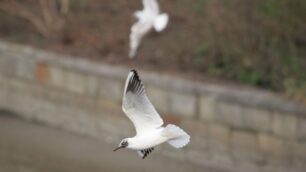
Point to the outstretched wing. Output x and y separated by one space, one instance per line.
151 5
138 107
161 22
138 30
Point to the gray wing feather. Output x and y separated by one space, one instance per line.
138 107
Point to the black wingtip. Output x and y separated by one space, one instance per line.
135 84
136 74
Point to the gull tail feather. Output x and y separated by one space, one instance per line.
178 137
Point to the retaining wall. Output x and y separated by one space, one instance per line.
235 129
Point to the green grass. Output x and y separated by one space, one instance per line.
262 43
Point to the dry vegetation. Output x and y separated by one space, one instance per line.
258 42
47 16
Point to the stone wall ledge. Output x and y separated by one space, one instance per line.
244 96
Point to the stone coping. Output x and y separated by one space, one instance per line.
247 97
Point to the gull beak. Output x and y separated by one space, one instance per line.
118 148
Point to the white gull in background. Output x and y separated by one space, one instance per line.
148 18
147 122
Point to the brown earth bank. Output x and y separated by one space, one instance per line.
239 43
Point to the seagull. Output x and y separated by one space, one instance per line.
150 131
148 18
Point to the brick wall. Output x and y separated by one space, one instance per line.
235 129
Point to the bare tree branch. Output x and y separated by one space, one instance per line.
15 8
52 19
65 7
45 12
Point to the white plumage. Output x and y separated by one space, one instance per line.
147 122
138 107
148 18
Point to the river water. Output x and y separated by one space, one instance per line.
32 147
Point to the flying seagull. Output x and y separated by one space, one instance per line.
148 18
146 120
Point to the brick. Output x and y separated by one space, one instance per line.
243 139
8 65
111 90
207 107
75 82
300 165
58 76
285 125
221 159
271 145
300 155
172 153
21 104
69 117
197 157
230 114
26 68
270 167
245 146
111 131
196 127
92 85
182 104
42 73
258 120
245 165
199 132
219 137
300 151
3 91
159 98
302 129
278 152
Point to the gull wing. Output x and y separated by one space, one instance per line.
161 22
151 5
138 107
138 30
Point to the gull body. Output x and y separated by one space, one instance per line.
148 19
147 122
151 139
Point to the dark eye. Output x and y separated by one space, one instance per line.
124 144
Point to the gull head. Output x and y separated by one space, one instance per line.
123 144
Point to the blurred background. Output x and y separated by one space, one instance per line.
254 44
260 43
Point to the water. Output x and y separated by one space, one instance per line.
31 147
